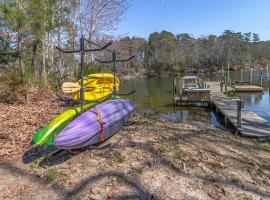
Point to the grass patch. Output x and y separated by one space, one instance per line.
52 174
137 170
265 144
236 180
119 158
209 130
120 179
164 149
179 155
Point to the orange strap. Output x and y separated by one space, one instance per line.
99 118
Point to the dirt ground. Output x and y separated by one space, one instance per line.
149 159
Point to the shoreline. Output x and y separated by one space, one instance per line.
144 75
150 159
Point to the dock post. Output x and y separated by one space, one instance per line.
261 79
174 90
267 72
228 74
226 121
238 114
241 75
226 89
221 86
250 76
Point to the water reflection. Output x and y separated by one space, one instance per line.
156 93
257 102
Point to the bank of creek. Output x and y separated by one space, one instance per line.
149 159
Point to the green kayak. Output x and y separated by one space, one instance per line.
48 133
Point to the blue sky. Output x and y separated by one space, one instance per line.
198 17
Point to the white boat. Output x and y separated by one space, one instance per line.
190 83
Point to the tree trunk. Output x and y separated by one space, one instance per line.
34 60
22 71
50 49
62 72
43 66
59 43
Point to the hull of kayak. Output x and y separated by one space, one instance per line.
86 129
48 133
97 86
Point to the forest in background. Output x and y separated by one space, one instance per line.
31 29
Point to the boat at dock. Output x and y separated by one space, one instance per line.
190 83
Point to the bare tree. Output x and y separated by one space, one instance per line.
99 16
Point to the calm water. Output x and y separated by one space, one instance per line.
156 94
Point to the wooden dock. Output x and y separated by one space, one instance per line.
247 88
246 123
250 123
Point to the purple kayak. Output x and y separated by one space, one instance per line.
95 125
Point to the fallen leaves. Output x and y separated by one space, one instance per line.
19 122
16 190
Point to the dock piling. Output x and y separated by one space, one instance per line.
239 119
261 78
174 90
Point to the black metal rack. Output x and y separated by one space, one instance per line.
82 51
114 61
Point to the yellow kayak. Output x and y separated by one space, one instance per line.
97 86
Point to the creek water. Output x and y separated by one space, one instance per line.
156 94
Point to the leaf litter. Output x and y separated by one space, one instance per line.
150 159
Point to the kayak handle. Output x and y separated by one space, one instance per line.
127 93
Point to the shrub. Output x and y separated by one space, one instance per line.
11 88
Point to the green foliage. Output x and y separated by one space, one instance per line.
33 25
54 81
7 55
89 68
182 53
119 157
52 174
120 179
14 18
179 155
11 77
255 37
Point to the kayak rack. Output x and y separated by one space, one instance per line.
114 61
82 50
